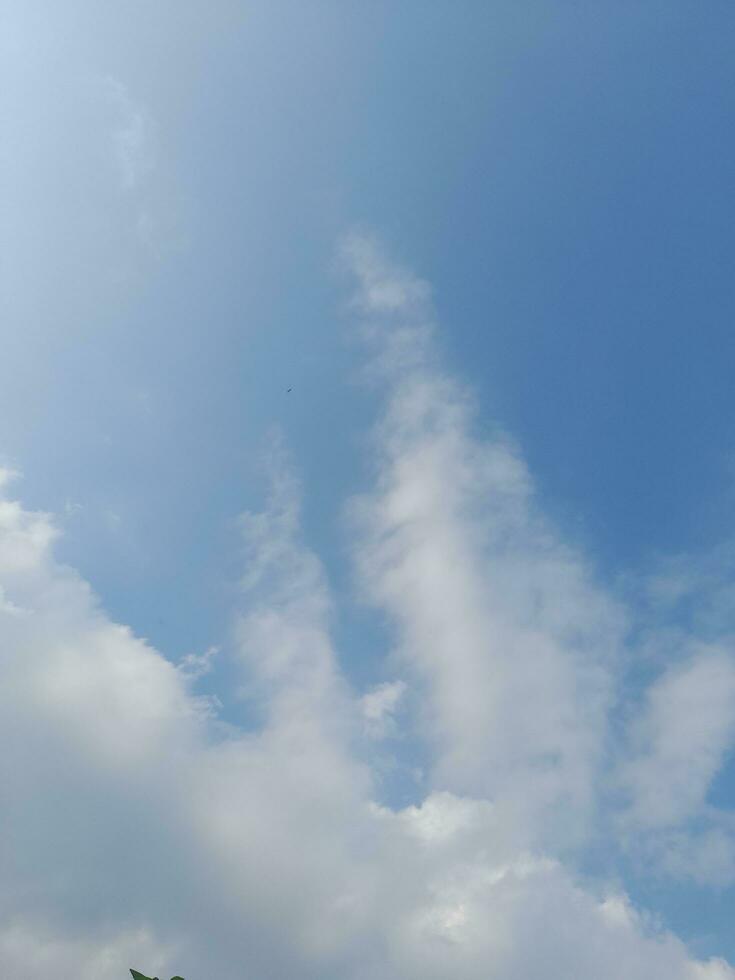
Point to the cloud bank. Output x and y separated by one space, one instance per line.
139 829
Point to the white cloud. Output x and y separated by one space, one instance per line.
140 831
379 706
7 475
501 622
676 745
25 952
705 856
9 608
680 740
196 665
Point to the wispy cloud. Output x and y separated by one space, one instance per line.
679 740
500 621
132 135
196 665
379 706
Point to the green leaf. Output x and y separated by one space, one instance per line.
139 976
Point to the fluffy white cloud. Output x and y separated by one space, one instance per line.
139 830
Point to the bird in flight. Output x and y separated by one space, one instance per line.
289 389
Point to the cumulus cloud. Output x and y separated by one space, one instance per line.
139 830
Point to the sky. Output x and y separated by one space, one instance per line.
366 481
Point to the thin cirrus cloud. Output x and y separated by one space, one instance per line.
141 829
132 135
132 142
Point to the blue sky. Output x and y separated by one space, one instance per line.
519 537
